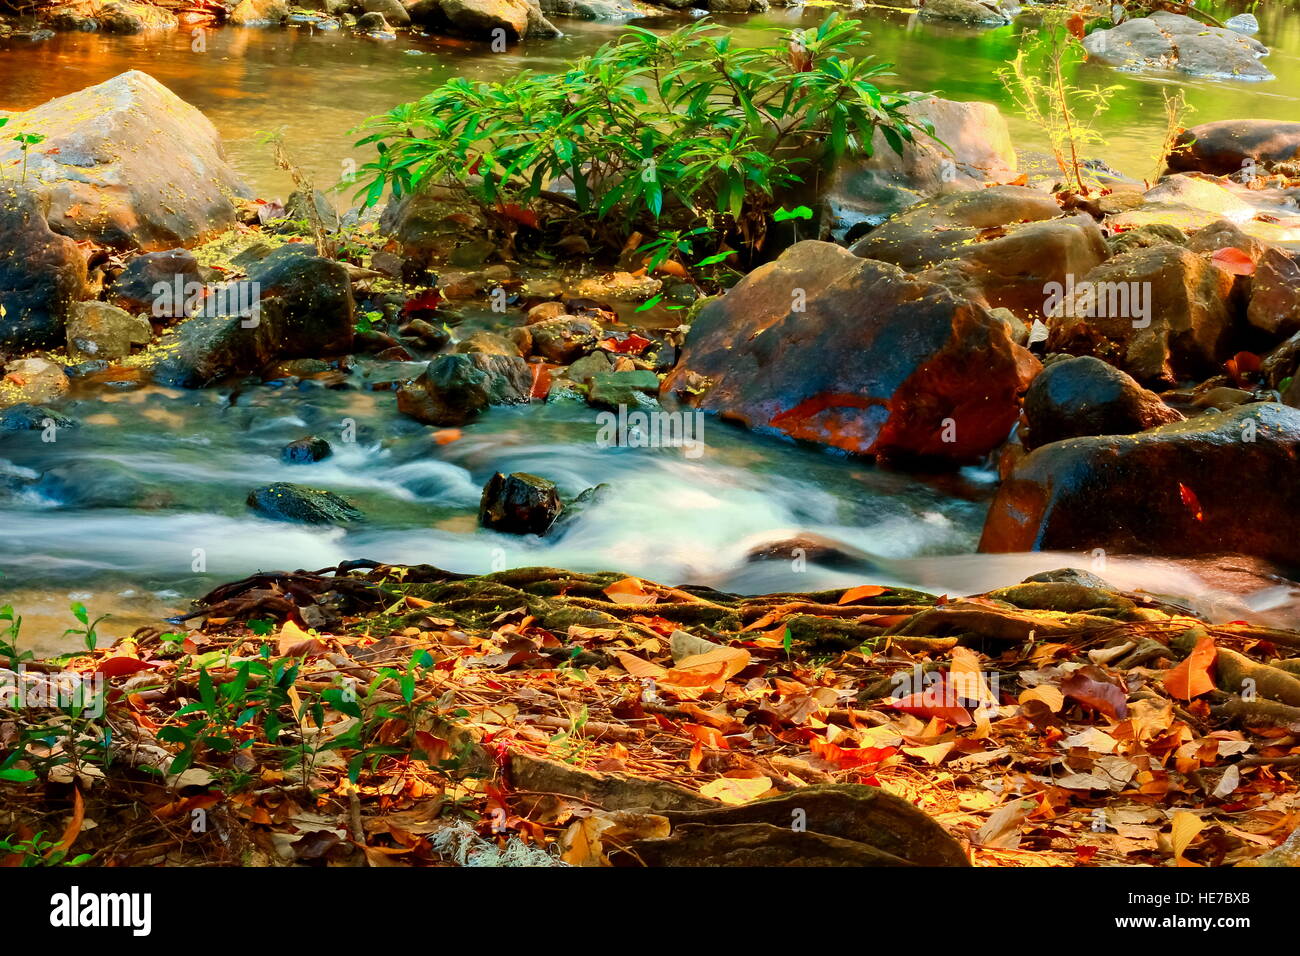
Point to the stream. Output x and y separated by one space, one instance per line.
143 506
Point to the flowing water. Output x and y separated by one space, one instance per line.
143 506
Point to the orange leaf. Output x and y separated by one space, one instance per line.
1191 678
74 825
122 665
1233 260
853 595
1190 501
445 436
629 591
710 736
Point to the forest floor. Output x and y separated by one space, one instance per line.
409 716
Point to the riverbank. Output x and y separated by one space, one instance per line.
538 717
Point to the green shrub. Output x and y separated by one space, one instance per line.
686 133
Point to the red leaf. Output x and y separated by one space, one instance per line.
1099 695
1233 260
121 666
1190 501
541 379
426 301
849 758
525 217
633 344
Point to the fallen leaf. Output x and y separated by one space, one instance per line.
1191 677
736 790
853 595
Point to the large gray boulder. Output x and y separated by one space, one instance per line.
1170 41
126 163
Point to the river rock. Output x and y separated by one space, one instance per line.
737 6
1183 328
373 23
489 343
123 17
519 503
604 10
100 484
157 283
1275 293
565 339
454 389
305 311
249 13
1170 41
28 417
393 11
631 389
1229 146
304 451
32 381
283 501
1085 396
1005 244
1221 482
41 273
317 297
964 11
97 330
127 163
824 346
479 18
971 146
430 222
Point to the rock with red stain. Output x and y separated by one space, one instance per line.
827 347
1003 245
1223 482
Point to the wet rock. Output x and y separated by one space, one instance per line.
1242 23
1076 576
1085 396
122 17
519 503
489 343
1275 294
304 451
32 380
1170 41
41 274
455 389
565 339
617 287
393 11
479 18
249 13
1144 237
97 330
283 501
632 388
100 484
127 163
827 347
306 311
430 222
1005 244
544 311
584 369
971 146
1224 234
373 23
157 283
737 6
603 10
28 417
1231 146
964 11
299 208
1221 482
317 299
1160 314
430 336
